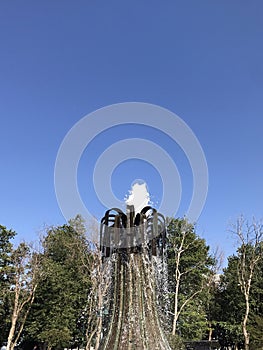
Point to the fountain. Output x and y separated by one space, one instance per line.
133 249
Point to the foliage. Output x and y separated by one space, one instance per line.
62 295
192 323
59 291
24 279
255 326
189 273
230 305
5 269
256 331
175 342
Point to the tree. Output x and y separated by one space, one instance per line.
24 276
255 326
249 256
239 296
228 306
189 273
5 264
61 298
18 281
211 305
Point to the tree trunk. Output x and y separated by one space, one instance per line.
175 318
89 339
10 344
98 333
210 331
244 325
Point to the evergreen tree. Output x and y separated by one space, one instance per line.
62 295
229 305
19 269
5 268
24 277
189 273
255 326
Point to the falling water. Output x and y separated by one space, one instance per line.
134 249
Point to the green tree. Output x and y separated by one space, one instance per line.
249 256
18 281
255 326
24 277
229 306
212 309
5 267
239 295
189 273
62 294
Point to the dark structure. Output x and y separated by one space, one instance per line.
203 345
130 233
133 245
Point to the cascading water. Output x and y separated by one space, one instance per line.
134 249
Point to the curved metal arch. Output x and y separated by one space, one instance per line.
107 217
147 227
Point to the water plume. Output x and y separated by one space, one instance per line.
139 196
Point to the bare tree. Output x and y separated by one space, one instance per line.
250 252
24 276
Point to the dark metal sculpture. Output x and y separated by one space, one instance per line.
130 232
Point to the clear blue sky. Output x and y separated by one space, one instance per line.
61 60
